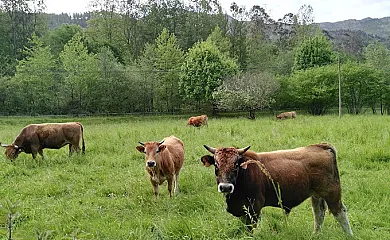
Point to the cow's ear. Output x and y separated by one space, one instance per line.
161 148
141 149
207 160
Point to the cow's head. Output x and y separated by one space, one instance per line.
227 163
11 151
151 150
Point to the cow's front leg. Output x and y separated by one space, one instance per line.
170 184
40 151
155 187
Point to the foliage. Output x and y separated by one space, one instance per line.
60 36
79 73
247 91
203 71
34 80
315 51
362 85
314 89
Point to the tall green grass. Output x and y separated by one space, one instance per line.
106 194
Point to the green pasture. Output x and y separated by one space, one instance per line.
106 194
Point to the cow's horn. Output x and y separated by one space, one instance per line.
161 142
210 149
16 146
243 150
141 143
4 145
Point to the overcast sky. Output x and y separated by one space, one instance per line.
324 10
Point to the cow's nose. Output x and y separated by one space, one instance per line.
225 187
151 163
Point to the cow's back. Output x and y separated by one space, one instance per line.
56 135
175 146
297 170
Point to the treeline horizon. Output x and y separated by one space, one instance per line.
167 56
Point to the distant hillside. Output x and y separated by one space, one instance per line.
375 26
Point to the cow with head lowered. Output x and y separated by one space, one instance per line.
35 137
198 121
287 115
164 160
283 179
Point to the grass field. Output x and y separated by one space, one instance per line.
106 194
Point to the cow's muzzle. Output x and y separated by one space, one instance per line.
151 163
225 187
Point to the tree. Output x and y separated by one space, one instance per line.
34 79
203 71
165 59
315 51
247 91
80 72
314 88
60 36
377 55
220 41
362 86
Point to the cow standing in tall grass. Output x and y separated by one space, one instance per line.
164 160
36 137
283 178
287 115
198 121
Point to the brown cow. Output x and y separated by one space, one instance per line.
198 121
163 162
252 181
286 115
35 137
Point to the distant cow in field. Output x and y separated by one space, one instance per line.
163 162
283 179
198 121
286 115
35 137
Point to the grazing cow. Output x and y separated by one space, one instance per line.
287 115
163 162
35 137
282 179
198 120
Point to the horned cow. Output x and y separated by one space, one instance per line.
35 137
250 181
164 160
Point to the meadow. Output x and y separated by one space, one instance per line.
106 193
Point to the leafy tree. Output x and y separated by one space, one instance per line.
165 57
315 51
238 34
247 91
361 86
220 40
203 71
80 72
315 88
34 79
60 36
377 55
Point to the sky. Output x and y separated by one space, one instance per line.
324 10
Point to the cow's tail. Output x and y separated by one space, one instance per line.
332 150
82 139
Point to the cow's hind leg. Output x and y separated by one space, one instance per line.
40 151
176 182
319 208
339 212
